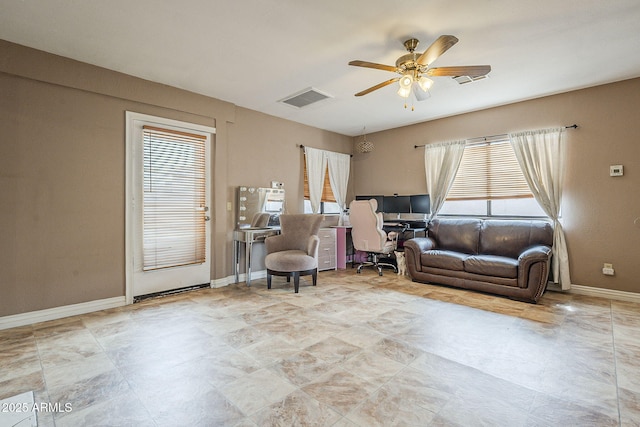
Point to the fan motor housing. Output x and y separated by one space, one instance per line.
408 62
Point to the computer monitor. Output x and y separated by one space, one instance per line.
397 204
420 203
379 199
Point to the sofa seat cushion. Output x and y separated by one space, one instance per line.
289 261
492 265
448 260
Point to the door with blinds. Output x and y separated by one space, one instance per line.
170 203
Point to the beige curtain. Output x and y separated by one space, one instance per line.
316 166
441 162
541 155
339 167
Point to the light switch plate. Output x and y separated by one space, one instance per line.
616 170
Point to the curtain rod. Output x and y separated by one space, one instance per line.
504 135
302 146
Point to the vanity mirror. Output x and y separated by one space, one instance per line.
259 207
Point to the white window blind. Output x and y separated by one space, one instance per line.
489 171
174 198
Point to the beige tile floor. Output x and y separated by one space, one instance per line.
357 350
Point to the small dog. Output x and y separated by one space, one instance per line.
402 263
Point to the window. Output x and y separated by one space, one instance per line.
328 204
173 198
489 182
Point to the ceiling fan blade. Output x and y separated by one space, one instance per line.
437 48
373 65
469 70
378 86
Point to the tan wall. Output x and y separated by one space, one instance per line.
62 173
264 149
598 210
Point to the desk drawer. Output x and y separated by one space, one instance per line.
327 249
327 262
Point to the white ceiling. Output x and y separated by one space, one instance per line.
255 52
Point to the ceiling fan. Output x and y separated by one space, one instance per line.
415 68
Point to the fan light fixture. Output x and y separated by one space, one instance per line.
414 68
404 91
406 80
425 83
405 83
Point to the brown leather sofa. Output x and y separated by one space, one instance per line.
505 257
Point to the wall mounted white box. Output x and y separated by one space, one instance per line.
616 170
608 270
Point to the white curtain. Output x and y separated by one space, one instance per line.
316 166
339 166
541 155
441 162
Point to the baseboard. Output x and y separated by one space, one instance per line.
230 280
225 281
31 317
598 292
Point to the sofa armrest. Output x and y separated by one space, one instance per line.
413 248
312 246
421 244
539 256
534 254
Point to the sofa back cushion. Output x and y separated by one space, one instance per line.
510 238
460 235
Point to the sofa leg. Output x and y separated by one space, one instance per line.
268 281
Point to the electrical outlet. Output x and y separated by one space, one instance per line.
608 270
616 170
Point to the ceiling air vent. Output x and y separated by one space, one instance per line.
466 79
305 97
